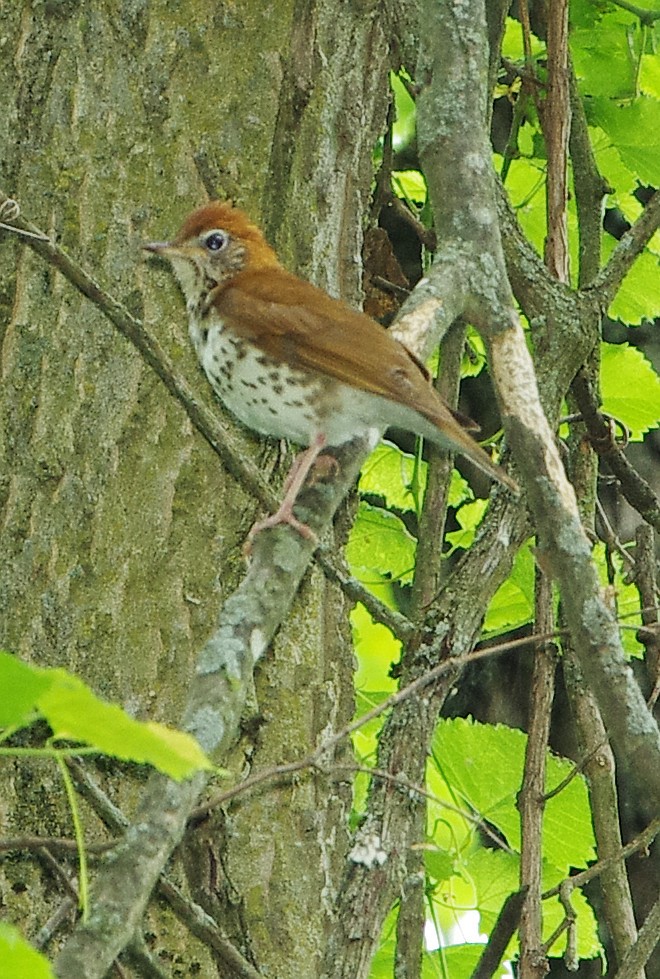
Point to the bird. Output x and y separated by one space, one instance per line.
290 361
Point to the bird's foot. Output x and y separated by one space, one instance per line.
300 470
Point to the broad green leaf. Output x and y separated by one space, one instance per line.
21 685
630 388
525 185
18 960
620 178
634 128
389 472
638 297
382 964
455 962
75 713
483 763
406 113
469 517
512 44
496 875
649 76
440 864
603 62
376 650
475 360
627 600
379 540
588 943
410 185
512 604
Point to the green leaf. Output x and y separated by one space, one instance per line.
18 960
376 650
512 605
525 185
21 686
379 541
484 765
620 178
469 517
403 131
649 76
588 943
454 962
409 185
440 864
638 297
634 128
75 713
603 62
390 473
496 875
383 961
630 388
628 605
512 44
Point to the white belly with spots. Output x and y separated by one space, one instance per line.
273 398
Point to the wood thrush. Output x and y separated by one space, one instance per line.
290 361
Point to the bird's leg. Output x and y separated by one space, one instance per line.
293 484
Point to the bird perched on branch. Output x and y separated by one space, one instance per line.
289 361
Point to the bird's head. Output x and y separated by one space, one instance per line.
214 244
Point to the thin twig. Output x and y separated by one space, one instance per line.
314 758
638 954
635 489
641 842
52 843
646 17
626 252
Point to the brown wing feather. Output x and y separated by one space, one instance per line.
294 321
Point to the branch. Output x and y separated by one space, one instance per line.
247 623
645 580
636 490
631 245
599 768
194 917
641 842
556 119
531 800
502 933
647 17
639 954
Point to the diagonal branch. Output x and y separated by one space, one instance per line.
629 248
634 487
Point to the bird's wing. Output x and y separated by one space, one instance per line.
293 321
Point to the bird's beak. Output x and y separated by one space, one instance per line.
157 247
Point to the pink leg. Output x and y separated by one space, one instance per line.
292 486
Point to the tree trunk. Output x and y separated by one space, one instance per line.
121 532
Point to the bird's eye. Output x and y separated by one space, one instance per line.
216 240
